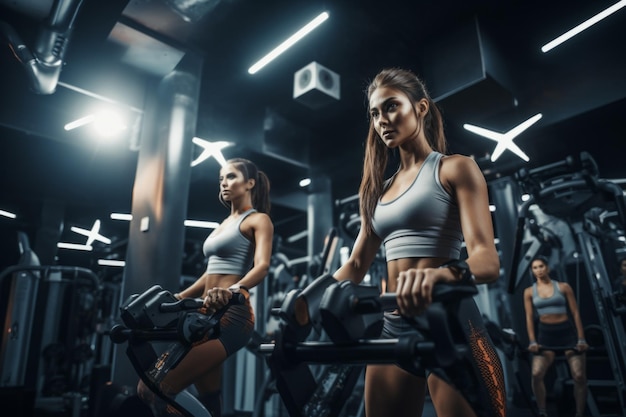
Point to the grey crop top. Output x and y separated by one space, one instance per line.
229 252
423 221
555 304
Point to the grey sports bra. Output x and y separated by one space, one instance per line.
229 251
555 304
423 221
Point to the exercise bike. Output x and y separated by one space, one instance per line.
160 330
352 317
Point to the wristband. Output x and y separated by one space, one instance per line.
532 343
463 268
581 341
239 287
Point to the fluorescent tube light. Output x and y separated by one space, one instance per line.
288 43
80 122
7 214
201 224
585 25
189 223
121 216
111 262
74 246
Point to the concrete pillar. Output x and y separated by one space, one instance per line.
160 193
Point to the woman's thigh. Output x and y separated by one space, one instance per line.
392 391
447 400
541 362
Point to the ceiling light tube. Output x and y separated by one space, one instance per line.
7 214
585 25
288 43
74 246
80 122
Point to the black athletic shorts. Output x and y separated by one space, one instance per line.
481 361
236 327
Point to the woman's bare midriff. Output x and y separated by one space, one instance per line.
394 267
220 281
553 318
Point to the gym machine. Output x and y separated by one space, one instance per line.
352 315
49 330
159 331
593 213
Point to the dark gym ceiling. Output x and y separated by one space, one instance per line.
480 58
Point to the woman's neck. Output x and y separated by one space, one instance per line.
544 280
237 210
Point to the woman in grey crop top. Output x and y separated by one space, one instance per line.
238 253
550 299
421 215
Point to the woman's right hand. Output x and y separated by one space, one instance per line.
216 298
533 347
415 288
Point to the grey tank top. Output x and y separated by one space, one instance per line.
555 304
423 221
229 251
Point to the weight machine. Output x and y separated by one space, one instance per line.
49 329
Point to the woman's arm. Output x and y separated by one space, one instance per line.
573 308
463 179
530 322
263 233
363 254
467 183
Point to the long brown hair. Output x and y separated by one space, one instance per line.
260 193
376 153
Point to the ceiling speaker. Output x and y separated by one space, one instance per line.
316 86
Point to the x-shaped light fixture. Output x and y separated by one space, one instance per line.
505 140
92 234
211 149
